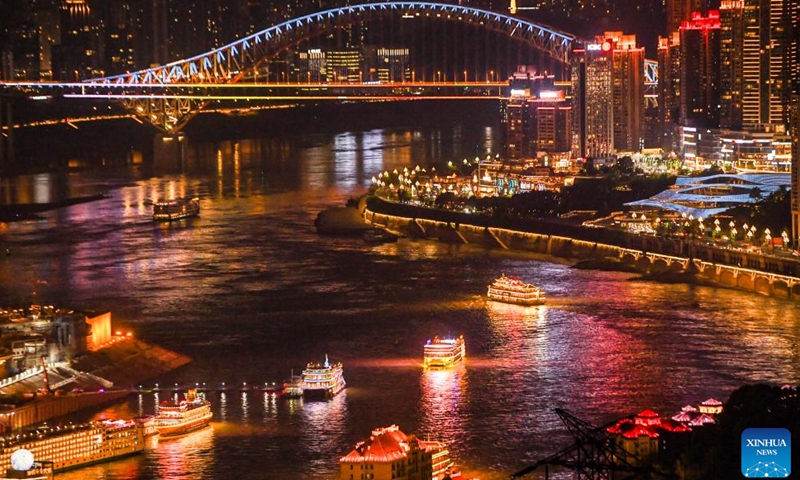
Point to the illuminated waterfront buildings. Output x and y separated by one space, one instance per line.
390 454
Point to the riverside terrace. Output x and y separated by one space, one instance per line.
688 259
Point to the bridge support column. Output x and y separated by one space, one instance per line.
169 152
6 136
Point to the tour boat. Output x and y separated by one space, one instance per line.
444 352
188 415
323 380
293 388
169 210
73 446
513 290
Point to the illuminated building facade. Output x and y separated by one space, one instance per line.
731 44
679 11
795 191
700 79
552 117
599 107
77 56
765 72
343 66
311 66
537 114
608 81
392 65
390 454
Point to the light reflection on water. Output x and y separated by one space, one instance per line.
250 292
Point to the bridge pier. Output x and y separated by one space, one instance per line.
170 152
6 136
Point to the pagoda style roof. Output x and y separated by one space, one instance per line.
385 445
711 402
671 425
647 414
702 419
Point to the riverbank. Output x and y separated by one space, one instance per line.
29 211
655 259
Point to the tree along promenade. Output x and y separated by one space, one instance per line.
658 257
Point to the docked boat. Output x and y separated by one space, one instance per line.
444 352
323 380
169 210
513 290
73 446
179 418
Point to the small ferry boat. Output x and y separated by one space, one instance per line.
444 352
323 380
293 388
169 210
73 446
513 290
188 415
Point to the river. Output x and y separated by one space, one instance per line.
251 292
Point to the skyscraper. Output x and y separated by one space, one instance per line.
679 11
700 75
669 91
628 91
766 78
731 44
608 101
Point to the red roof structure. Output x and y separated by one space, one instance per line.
647 418
385 445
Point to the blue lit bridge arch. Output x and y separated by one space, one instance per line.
233 61
238 60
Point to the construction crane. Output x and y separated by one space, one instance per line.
594 455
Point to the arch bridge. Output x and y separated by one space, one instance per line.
168 96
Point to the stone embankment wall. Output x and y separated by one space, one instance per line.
122 364
651 256
48 407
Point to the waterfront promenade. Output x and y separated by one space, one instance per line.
659 258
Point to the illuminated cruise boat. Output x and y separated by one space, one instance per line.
293 387
179 418
513 290
323 380
444 352
73 446
169 210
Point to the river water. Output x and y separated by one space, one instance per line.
251 292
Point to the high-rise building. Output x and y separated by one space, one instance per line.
731 45
795 193
700 75
393 65
679 11
669 88
77 56
766 80
311 66
599 107
609 87
343 66
537 114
